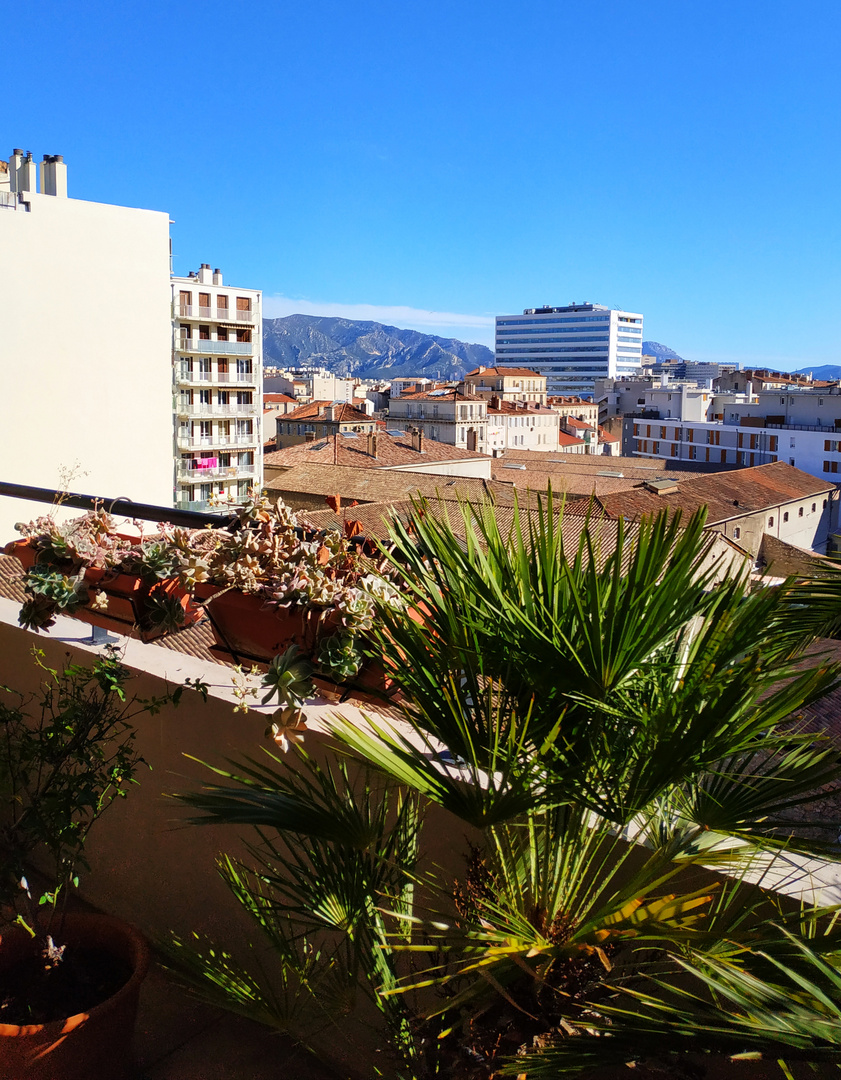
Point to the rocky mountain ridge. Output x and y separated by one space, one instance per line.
369 350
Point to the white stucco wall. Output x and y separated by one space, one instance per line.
85 344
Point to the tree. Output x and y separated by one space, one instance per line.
614 724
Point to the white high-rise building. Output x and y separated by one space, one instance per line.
217 355
572 346
85 339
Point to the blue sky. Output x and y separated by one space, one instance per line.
434 164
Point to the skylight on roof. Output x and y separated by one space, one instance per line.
394 432
514 467
350 434
437 393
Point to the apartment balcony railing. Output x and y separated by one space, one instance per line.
223 315
226 378
209 347
207 442
225 472
231 409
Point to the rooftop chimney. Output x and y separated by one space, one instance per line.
54 176
309 436
417 440
217 277
205 275
372 444
28 175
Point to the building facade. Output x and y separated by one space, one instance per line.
571 346
521 425
506 384
320 420
800 426
217 371
85 337
444 415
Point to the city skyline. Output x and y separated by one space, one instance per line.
435 165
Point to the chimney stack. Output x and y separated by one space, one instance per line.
309 436
54 176
15 164
28 175
217 277
372 444
417 440
205 275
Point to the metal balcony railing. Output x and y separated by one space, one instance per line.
207 442
209 347
216 410
223 472
224 315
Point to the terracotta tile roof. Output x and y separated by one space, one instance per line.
565 439
279 399
343 413
505 372
559 399
726 495
392 452
579 425
380 485
516 408
443 394
605 436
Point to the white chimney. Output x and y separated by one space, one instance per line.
217 277
28 175
15 163
205 274
54 176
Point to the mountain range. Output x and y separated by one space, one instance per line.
369 350
827 371
372 350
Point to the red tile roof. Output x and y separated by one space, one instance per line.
726 494
564 439
343 413
505 372
444 394
519 408
279 399
392 452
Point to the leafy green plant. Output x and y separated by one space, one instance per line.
50 593
613 724
164 611
67 753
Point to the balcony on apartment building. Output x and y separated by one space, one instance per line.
204 442
209 378
222 315
222 472
209 346
220 410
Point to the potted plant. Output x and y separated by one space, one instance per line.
87 569
69 983
269 585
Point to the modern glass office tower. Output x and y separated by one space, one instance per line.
572 346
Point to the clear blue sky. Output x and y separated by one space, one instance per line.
468 159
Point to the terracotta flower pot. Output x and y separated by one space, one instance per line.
23 551
244 627
94 1045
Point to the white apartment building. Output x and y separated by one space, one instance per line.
521 425
85 337
312 384
217 367
444 415
799 426
507 384
571 346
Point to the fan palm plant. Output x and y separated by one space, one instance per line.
611 725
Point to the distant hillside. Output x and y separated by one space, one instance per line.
662 352
826 371
369 350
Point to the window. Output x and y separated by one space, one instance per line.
204 333
204 397
222 333
243 303
782 401
820 401
772 442
204 302
222 305
831 445
791 461
830 466
791 442
737 532
813 507
800 512
224 397
785 516
770 523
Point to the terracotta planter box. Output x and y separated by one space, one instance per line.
126 594
250 632
95 1045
